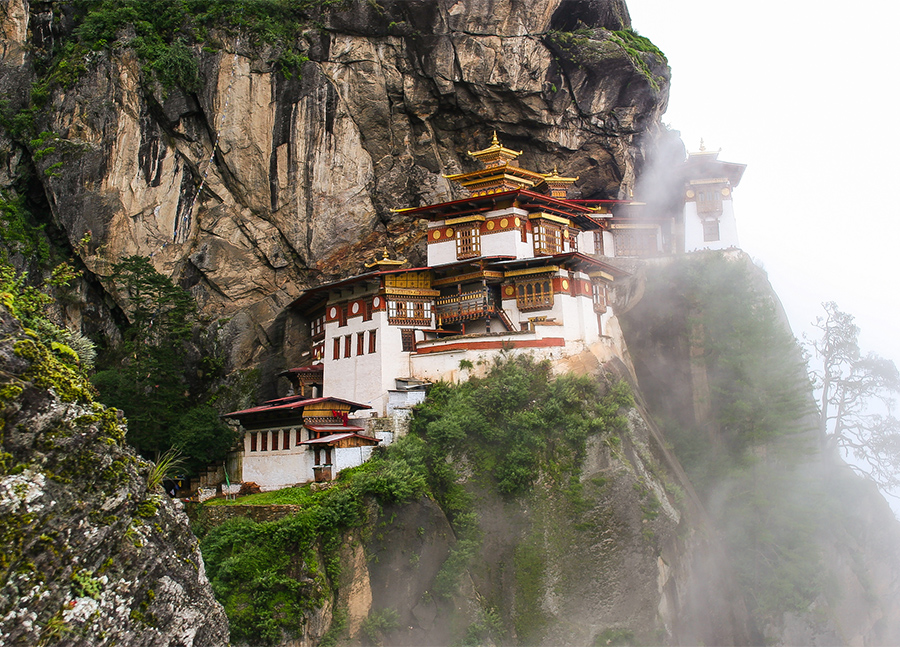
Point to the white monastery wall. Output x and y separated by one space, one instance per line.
442 253
273 470
693 228
346 457
500 243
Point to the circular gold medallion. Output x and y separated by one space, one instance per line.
517 222
565 284
689 193
726 191
510 291
504 222
490 225
436 235
448 233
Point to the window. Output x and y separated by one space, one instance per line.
317 326
337 348
598 296
342 315
372 341
598 242
285 438
534 295
409 279
264 437
468 241
360 342
573 240
410 312
252 441
348 341
367 311
408 339
548 239
636 242
710 231
709 201
299 435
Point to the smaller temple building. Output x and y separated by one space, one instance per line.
299 440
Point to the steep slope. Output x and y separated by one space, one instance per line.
553 515
376 100
813 545
90 552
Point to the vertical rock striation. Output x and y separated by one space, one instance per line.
309 164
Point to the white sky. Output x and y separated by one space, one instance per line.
804 93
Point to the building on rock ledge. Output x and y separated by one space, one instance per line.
515 266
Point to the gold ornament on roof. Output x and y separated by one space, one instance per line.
385 261
558 184
496 154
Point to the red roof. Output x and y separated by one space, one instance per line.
333 428
333 438
291 403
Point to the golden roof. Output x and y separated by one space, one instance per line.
556 177
495 154
385 261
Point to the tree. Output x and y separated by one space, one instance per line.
150 383
855 398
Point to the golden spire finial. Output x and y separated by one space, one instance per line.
702 145
494 139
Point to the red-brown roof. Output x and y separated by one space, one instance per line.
292 403
333 438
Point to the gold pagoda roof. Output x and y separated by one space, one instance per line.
495 154
501 173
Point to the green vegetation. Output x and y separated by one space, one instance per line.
54 364
146 377
596 45
748 466
267 575
19 231
516 421
507 428
166 34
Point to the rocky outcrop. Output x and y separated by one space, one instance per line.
92 552
307 168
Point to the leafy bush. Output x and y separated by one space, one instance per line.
516 420
268 575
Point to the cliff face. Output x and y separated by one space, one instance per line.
812 544
309 163
90 553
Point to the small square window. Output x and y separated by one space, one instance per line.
710 231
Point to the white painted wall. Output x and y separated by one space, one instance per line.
276 469
502 243
693 228
443 252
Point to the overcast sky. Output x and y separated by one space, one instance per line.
805 93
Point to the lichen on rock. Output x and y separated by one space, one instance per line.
89 553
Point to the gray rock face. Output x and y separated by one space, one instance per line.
307 168
90 554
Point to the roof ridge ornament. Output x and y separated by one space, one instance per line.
385 262
496 154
